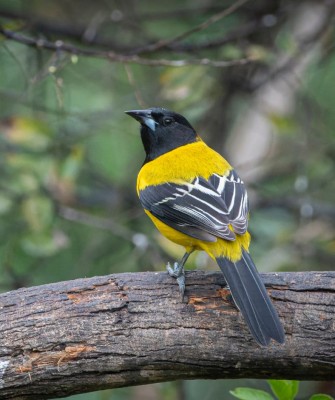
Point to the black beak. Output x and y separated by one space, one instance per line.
143 117
139 115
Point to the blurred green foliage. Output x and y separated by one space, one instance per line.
283 390
69 155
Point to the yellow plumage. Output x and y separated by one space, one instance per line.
189 161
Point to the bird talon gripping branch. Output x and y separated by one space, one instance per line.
196 199
178 273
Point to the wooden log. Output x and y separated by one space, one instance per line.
131 329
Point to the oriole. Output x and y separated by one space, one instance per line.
197 200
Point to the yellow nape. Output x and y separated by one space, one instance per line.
182 164
221 248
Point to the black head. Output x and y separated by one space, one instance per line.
162 130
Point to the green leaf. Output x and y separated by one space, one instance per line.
321 397
284 390
244 393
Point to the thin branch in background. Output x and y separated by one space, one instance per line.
33 23
204 25
56 62
187 12
242 32
59 45
71 214
132 83
58 86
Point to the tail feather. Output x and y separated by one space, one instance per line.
250 296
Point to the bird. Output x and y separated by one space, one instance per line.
196 199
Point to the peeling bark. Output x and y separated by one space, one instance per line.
131 329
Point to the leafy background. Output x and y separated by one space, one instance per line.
70 156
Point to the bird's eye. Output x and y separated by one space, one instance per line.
167 121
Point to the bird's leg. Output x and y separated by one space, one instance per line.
177 271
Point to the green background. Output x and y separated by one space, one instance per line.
69 155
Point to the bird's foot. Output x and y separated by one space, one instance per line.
177 272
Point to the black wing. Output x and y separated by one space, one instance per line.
234 195
202 209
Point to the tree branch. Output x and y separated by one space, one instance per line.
130 329
36 24
204 25
112 56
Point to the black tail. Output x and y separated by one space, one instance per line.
250 296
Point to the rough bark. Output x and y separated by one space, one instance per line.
130 329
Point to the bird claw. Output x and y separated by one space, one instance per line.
177 272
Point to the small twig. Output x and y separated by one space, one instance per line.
204 25
235 35
71 214
132 82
